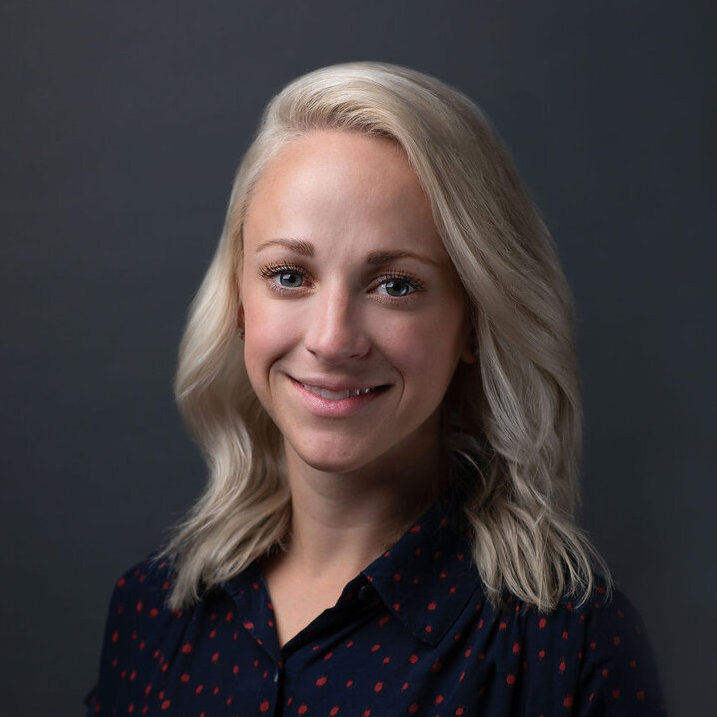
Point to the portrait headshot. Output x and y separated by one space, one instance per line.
359 360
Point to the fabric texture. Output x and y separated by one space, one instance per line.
413 634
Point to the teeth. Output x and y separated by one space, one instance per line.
337 395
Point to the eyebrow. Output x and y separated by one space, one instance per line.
296 245
385 257
375 258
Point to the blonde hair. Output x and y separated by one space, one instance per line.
514 415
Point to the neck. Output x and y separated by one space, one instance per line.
341 522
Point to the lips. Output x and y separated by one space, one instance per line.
330 395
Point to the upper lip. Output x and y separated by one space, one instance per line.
336 385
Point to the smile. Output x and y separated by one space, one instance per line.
329 395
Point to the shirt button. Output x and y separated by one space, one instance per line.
364 593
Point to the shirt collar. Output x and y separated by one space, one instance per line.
427 578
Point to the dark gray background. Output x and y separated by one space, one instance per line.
121 127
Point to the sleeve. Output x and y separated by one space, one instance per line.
118 629
619 677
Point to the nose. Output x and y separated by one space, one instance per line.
334 329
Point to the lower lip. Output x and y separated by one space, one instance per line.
336 409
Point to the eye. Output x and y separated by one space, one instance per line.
290 279
397 286
284 277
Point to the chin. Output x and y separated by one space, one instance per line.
334 463
335 457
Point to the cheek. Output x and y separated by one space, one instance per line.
266 338
426 351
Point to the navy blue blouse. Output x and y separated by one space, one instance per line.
412 634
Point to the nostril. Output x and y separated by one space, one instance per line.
337 338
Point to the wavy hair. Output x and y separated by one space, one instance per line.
514 415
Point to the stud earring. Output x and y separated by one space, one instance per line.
241 333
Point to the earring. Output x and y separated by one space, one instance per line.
241 333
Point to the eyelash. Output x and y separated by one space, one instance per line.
415 284
271 271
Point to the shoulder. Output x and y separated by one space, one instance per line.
613 624
618 674
136 619
590 656
138 613
144 588
605 618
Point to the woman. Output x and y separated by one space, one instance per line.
379 366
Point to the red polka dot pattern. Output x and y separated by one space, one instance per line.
411 635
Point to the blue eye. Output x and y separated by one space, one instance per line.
285 277
398 287
290 279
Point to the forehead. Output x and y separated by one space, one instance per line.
336 150
345 183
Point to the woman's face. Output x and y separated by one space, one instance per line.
354 318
